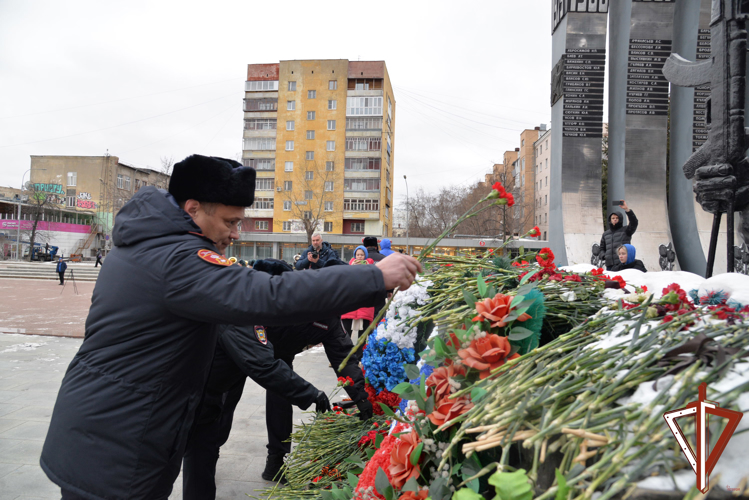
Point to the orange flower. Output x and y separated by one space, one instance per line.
410 495
400 459
487 353
448 409
440 380
496 310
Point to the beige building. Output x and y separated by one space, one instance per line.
542 169
525 178
320 134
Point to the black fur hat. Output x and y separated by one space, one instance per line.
213 180
272 266
369 241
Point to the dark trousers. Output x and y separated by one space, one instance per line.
209 433
98 261
62 277
279 417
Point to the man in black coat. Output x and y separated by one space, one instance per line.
373 250
617 234
128 399
317 255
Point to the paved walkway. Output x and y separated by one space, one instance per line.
31 369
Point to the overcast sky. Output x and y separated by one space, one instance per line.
152 79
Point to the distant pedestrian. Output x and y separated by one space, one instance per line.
385 247
98 259
46 248
61 267
373 250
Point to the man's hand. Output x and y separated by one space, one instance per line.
322 403
311 258
365 408
399 270
624 206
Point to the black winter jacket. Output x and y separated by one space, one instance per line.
635 264
128 398
616 236
326 254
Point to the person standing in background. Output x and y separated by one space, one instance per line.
61 267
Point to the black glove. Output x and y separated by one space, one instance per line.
365 409
322 403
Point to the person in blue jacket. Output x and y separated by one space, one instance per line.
385 247
127 402
61 267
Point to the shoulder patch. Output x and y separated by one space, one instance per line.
260 334
320 325
213 257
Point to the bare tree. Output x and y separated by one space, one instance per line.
39 202
167 163
430 214
311 198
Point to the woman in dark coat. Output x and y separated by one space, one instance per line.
617 234
627 254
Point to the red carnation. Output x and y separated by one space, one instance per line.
545 257
534 232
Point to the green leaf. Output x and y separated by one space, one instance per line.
386 409
378 440
471 467
527 276
416 454
511 485
411 485
438 490
402 387
339 494
353 481
469 298
382 484
477 393
524 290
370 453
466 494
517 300
409 394
429 406
326 495
412 372
563 489
423 387
354 459
491 291
519 333
481 285
439 346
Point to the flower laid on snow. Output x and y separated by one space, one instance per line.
440 381
496 310
401 467
487 353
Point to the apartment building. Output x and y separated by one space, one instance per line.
542 169
320 134
525 177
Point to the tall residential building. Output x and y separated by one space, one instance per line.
525 178
320 134
542 169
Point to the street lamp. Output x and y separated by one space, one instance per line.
408 211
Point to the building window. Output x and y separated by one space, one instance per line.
310 134
331 145
363 143
264 104
363 123
261 225
260 163
263 204
264 184
332 104
362 164
546 199
357 227
362 106
287 185
327 227
311 94
287 206
365 84
546 182
119 181
331 124
361 184
328 206
333 85
308 195
260 124
292 86
309 175
310 115
307 215
328 185
329 166
310 155
290 105
259 143
289 145
290 125
261 86
70 201
287 225
72 178
546 219
288 166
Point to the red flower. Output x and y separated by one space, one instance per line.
556 277
667 318
448 409
439 380
380 460
545 257
410 495
486 353
400 459
496 310
597 272
510 199
523 263
534 232
573 277
500 189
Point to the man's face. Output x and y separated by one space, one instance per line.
221 224
614 219
623 255
317 242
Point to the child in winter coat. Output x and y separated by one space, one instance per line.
359 320
627 259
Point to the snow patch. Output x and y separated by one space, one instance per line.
27 346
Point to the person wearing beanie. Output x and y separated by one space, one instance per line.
120 424
385 247
617 234
370 242
626 259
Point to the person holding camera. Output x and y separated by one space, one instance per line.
317 254
617 234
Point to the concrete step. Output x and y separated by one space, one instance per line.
44 277
46 271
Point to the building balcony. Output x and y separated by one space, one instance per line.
252 213
260 133
363 93
377 153
361 215
362 174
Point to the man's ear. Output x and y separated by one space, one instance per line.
192 207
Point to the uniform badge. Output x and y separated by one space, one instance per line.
260 334
213 257
320 325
